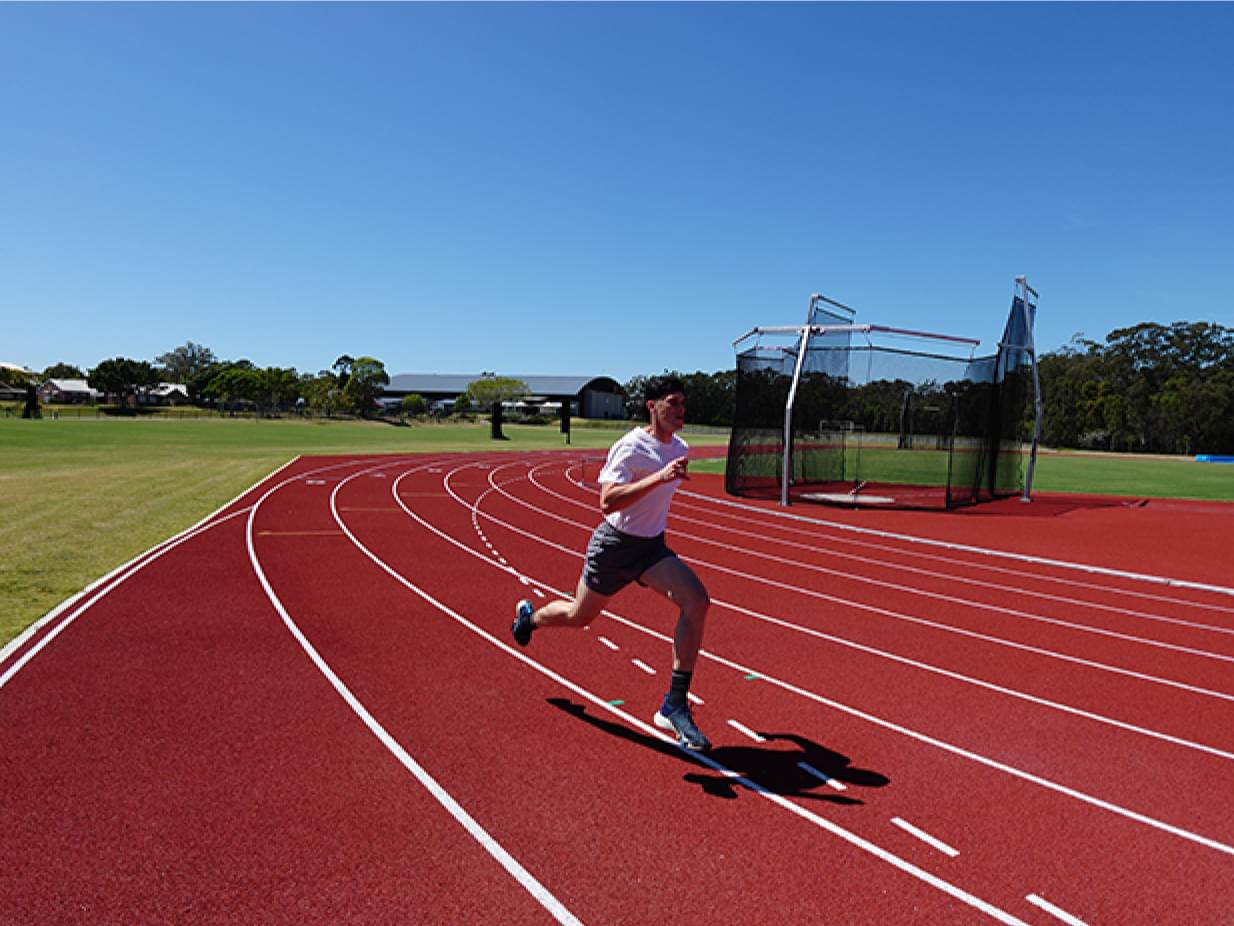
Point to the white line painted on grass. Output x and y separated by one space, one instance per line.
925 837
1058 912
120 574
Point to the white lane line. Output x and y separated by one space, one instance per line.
925 837
823 823
443 797
1020 557
952 561
609 643
826 779
903 660
920 621
746 731
642 665
695 698
1058 912
524 580
538 593
952 748
120 574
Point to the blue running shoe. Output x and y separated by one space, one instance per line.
522 626
679 721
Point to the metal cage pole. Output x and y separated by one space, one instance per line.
1030 318
787 456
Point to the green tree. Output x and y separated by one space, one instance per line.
122 378
186 362
278 386
321 392
342 367
235 384
62 371
482 393
413 404
366 379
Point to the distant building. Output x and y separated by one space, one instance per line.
589 396
165 394
68 392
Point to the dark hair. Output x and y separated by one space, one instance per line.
658 387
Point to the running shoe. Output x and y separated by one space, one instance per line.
522 626
679 720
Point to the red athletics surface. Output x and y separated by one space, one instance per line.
309 710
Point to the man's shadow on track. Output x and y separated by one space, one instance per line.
776 770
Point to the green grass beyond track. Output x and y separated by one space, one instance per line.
80 497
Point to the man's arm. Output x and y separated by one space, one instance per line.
614 496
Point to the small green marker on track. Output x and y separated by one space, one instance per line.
617 702
751 677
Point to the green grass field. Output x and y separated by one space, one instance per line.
81 496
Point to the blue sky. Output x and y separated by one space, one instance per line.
600 188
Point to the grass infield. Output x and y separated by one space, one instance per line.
81 496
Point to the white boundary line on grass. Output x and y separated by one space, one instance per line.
144 557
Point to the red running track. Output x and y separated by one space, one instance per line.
307 709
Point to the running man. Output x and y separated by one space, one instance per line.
643 470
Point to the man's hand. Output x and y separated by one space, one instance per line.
678 469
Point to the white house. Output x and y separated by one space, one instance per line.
68 392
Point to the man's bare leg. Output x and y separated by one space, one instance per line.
676 581
578 613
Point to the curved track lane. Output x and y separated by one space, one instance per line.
307 709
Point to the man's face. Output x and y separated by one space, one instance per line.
670 410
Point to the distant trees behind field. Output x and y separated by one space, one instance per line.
351 386
1148 388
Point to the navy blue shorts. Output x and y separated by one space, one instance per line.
614 559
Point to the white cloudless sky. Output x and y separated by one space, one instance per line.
604 189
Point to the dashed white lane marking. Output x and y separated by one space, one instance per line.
925 837
695 698
743 729
538 593
1058 912
826 779
834 829
609 643
501 559
524 580
314 482
507 861
642 665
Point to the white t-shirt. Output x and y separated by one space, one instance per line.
640 453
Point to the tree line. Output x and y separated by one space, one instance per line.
352 385
1149 388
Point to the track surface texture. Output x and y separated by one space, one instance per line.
308 709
